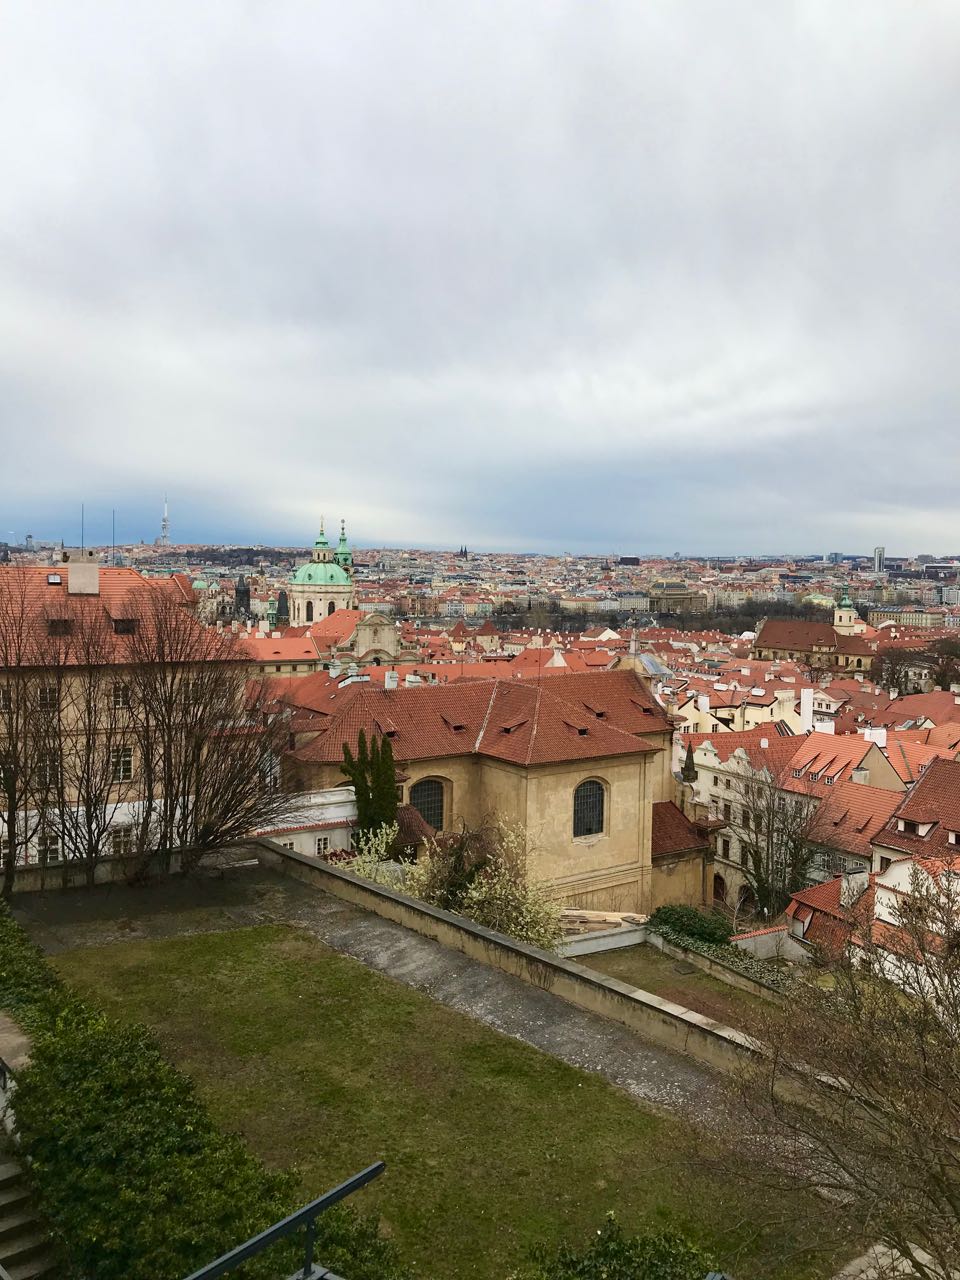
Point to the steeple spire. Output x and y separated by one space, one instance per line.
343 554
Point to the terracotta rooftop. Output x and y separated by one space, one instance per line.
673 832
572 717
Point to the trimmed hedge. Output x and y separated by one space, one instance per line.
750 966
612 1255
707 926
132 1175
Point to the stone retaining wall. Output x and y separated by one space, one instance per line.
668 1024
73 875
775 943
716 968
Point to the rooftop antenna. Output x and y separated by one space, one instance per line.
81 527
113 538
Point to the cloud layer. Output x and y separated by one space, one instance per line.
545 275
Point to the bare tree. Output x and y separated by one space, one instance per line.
24 693
87 726
207 739
774 829
858 1085
893 670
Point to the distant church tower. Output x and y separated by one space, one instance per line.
846 620
324 583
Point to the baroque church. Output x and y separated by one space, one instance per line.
324 583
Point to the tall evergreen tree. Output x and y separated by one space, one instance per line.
357 769
385 786
374 777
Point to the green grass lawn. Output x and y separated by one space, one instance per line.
646 967
490 1145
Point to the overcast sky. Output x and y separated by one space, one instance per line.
638 275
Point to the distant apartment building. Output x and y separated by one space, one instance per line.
676 597
905 615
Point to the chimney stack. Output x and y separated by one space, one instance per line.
806 710
83 571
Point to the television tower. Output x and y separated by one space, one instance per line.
165 525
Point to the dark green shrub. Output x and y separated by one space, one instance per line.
131 1173
612 1255
707 926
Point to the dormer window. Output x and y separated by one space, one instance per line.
953 837
124 626
512 726
911 828
59 627
798 773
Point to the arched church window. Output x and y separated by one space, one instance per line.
426 796
588 809
309 610
330 607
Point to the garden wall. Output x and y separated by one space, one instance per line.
716 968
73 875
660 1020
775 943
588 944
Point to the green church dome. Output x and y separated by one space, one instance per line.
318 574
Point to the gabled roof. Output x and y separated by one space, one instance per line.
827 756
852 814
774 757
336 627
799 637
912 759
939 707
827 923
577 717
936 797
32 596
269 649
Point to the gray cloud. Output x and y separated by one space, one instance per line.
546 275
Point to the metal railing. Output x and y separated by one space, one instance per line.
305 1217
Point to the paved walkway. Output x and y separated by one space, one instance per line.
246 896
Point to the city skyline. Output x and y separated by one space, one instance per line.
94 524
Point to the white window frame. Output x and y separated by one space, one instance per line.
121 764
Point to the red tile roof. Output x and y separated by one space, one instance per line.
673 832
573 717
797 637
38 594
934 799
852 814
829 924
